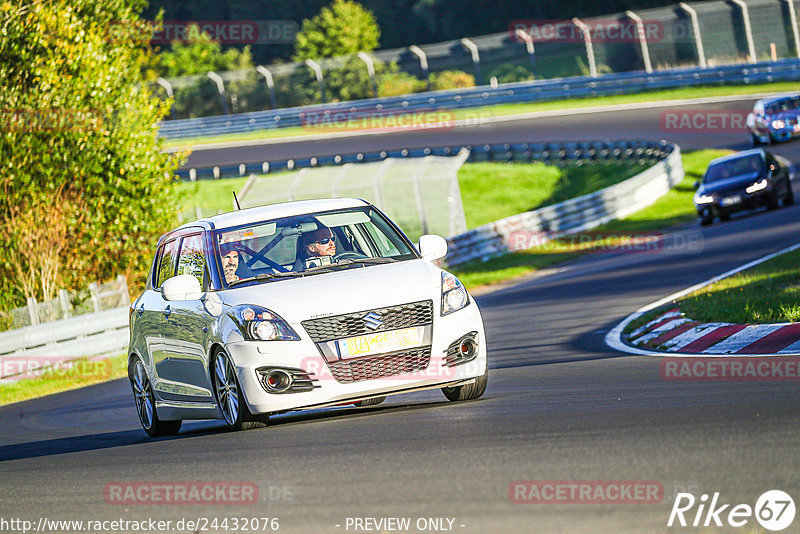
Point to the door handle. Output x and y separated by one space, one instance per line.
167 312
140 309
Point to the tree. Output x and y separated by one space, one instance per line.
343 28
199 54
86 189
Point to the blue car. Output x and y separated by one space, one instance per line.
774 119
743 181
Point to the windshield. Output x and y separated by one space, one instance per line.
308 244
785 104
734 167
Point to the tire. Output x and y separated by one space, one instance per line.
725 217
229 396
370 402
754 140
145 401
789 199
468 392
706 221
773 202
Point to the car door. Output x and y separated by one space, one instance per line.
183 368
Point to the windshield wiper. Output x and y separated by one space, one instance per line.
265 276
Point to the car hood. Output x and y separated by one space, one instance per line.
352 290
730 184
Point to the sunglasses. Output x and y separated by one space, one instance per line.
326 240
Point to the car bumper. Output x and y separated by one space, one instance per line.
250 356
747 201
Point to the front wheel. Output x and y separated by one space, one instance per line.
789 199
146 404
230 398
469 391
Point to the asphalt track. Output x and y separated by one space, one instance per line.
560 406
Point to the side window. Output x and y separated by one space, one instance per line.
191 259
166 264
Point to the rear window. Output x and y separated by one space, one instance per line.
165 262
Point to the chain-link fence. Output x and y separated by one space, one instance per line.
421 195
96 298
697 33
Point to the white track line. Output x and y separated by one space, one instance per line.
614 337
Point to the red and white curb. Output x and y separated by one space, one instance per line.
672 334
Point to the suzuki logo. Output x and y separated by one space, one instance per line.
373 320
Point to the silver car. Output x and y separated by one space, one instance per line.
295 306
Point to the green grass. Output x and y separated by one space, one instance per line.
211 196
492 191
766 293
83 373
674 208
516 109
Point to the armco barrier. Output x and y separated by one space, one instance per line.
532 91
553 153
95 334
573 215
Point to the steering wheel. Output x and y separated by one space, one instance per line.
349 256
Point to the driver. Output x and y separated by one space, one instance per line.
318 247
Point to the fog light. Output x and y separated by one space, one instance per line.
467 347
277 381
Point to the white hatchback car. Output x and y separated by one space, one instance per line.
295 306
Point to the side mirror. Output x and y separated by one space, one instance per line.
432 247
697 184
182 287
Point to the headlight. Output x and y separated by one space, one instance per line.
454 296
778 124
261 324
758 186
703 199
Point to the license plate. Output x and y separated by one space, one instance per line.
730 201
380 342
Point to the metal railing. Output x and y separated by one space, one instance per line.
513 93
578 214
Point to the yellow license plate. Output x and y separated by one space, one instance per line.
380 342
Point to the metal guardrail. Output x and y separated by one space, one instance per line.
511 93
552 153
96 334
575 215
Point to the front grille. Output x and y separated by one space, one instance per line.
353 324
372 367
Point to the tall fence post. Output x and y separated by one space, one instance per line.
793 22
217 79
476 58
642 35
125 296
94 291
423 63
587 39
698 38
33 311
418 196
315 67
748 30
262 70
63 299
370 70
528 40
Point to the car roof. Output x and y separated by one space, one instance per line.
773 99
274 211
737 155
